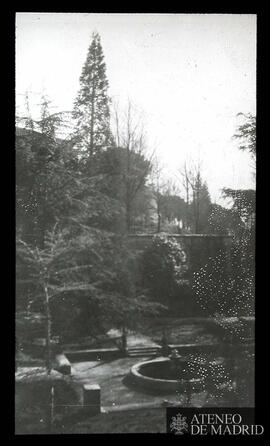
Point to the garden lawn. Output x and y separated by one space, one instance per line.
130 421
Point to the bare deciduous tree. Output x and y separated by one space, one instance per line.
192 183
157 184
136 163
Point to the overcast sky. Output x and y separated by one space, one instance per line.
190 74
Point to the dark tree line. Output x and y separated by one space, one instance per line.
231 292
73 265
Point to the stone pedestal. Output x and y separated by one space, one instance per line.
91 398
62 364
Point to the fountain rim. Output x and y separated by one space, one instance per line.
135 372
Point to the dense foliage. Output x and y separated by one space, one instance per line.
246 134
164 270
225 285
74 275
224 221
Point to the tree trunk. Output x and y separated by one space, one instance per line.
50 411
197 213
194 213
92 120
187 201
187 211
124 338
158 213
41 231
128 217
50 416
159 223
128 197
48 332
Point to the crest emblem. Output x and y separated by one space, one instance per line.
179 424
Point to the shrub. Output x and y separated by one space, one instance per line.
223 291
164 269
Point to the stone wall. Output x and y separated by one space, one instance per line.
198 247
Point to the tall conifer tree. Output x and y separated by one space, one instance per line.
91 108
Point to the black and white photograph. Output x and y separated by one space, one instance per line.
135 143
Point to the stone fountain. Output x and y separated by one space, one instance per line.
165 374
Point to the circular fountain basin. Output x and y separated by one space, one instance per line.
158 375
